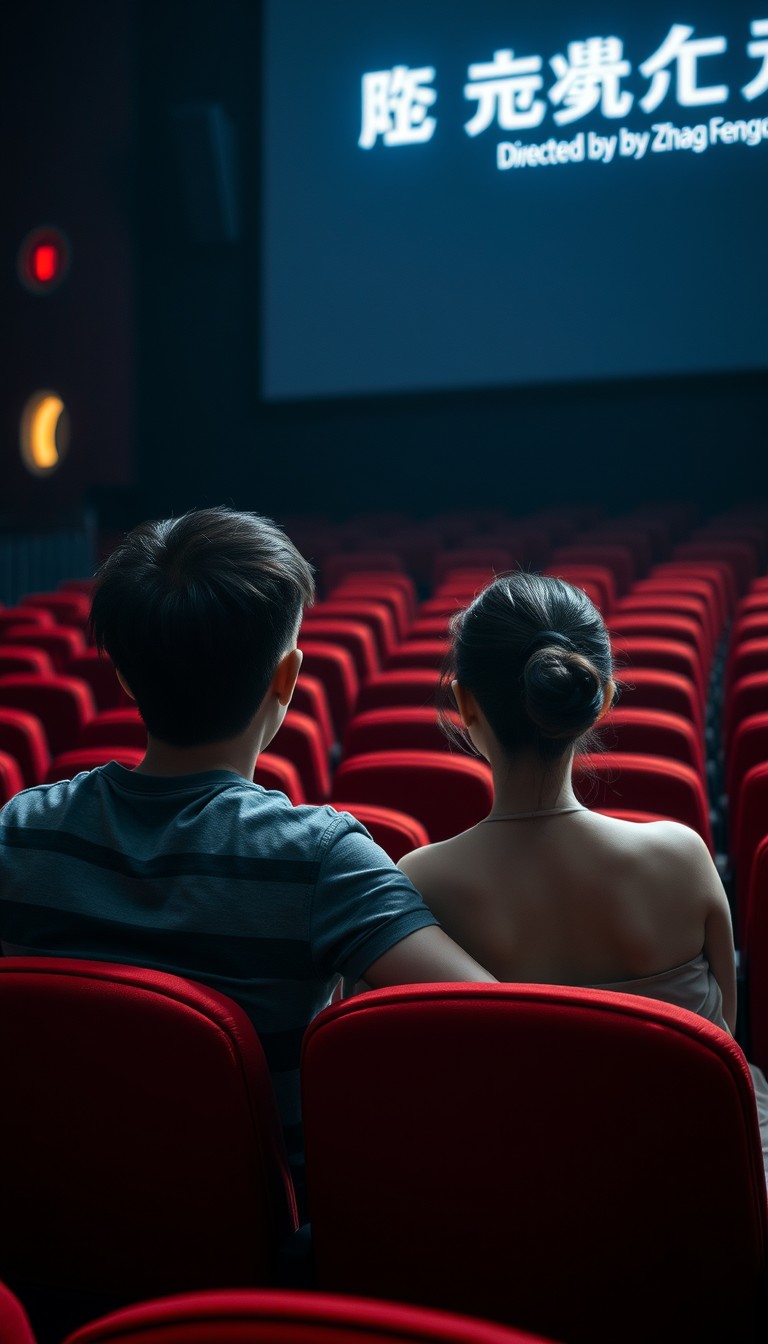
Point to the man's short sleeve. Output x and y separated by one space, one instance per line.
362 904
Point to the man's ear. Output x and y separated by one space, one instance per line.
286 675
124 684
466 704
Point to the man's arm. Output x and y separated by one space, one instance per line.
424 956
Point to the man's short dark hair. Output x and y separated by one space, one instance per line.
196 613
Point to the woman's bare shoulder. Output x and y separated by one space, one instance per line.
442 862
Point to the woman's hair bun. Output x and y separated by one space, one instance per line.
562 691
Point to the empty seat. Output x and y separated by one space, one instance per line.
338 564
362 610
11 778
98 671
654 732
489 560
24 658
19 615
354 636
666 626
335 668
62 704
646 784
598 578
148 1157
115 728
418 653
396 832
276 772
62 643
755 955
669 655
66 608
509 1150
748 826
15 1327
409 686
382 586
747 696
22 736
654 688
300 741
67 764
398 728
445 793
309 698
287 1317
745 657
609 555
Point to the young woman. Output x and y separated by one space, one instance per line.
543 890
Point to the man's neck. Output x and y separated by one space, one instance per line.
237 754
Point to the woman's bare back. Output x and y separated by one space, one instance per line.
575 898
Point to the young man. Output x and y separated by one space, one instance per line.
184 864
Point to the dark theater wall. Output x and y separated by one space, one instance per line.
67 90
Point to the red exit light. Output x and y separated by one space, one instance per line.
43 260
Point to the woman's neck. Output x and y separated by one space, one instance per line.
526 784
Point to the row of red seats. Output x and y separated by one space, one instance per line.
494 1150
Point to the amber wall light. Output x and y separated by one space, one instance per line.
44 432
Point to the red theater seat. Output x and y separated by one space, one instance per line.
61 643
66 608
747 696
653 732
22 736
748 826
361 610
24 658
654 688
67 764
14 1322
11 778
646 784
98 671
285 1317
115 728
62 704
745 657
339 564
667 655
300 741
596 578
335 668
19 615
445 793
401 728
418 653
755 953
665 626
397 590
275 772
396 832
309 698
148 1157
357 638
512 1158
411 686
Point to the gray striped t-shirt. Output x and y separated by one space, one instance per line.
210 877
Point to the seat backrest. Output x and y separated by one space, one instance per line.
749 747
14 1322
19 615
394 831
335 668
62 643
362 610
663 625
510 1152
67 608
397 728
745 657
429 653
653 732
274 771
24 658
656 688
11 778
646 784
63 704
97 670
22 735
755 951
300 741
415 686
289 1317
147 1152
746 696
748 825
354 636
670 655
116 728
579 574
67 764
445 793
309 698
